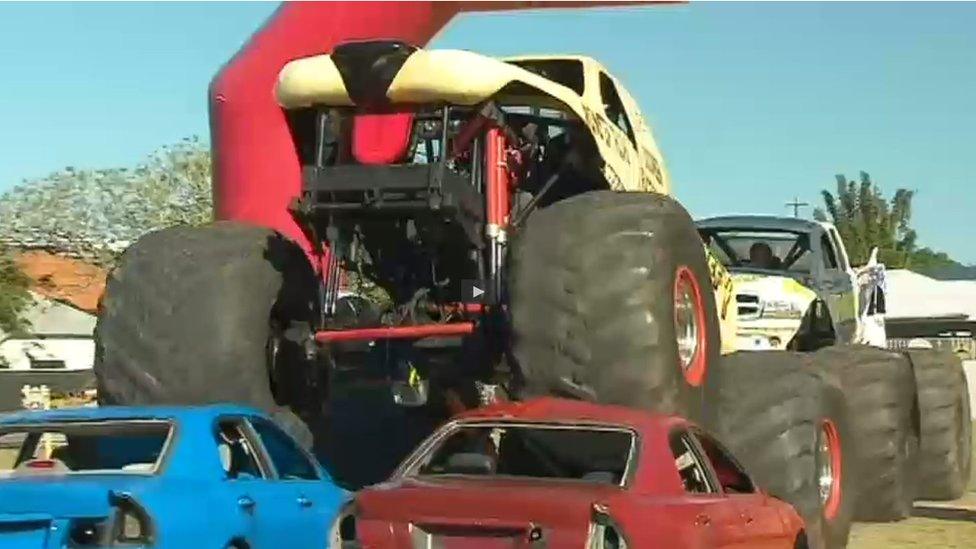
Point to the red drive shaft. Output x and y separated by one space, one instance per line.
498 184
397 332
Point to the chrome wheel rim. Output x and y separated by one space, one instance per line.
826 478
686 321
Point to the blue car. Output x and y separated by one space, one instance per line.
210 477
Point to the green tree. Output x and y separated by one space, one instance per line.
13 295
94 214
866 219
176 180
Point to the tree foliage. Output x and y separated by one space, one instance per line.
866 219
95 214
13 295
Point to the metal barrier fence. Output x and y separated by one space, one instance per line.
965 347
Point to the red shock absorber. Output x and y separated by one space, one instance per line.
497 192
499 182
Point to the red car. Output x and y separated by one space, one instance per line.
556 473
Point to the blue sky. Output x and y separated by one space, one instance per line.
751 103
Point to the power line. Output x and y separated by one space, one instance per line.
796 205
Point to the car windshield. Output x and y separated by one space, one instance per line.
760 249
593 454
83 447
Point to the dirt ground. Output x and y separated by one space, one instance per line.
930 528
915 533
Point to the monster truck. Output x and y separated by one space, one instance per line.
796 290
515 216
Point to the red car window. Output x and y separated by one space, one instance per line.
691 468
536 451
730 475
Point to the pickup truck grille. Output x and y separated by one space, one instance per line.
749 307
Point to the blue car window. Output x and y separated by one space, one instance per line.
290 462
237 456
87 446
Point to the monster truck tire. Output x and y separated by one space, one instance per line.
593 285
186 318
879 389
945 428
774 415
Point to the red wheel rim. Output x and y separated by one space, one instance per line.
689 326
829 469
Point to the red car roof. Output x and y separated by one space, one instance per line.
558 410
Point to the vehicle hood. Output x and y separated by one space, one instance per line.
63 496
472 509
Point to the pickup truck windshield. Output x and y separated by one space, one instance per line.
83 447
590 454
760 249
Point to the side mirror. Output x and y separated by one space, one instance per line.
470 463
873 258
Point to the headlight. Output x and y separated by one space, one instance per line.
342 534
780 308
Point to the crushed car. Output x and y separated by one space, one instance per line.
551 472
217 476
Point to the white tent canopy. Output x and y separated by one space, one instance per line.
911 295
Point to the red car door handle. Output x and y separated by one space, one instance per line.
747 517
703 520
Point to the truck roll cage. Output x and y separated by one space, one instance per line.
438 188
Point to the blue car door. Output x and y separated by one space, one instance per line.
300 502
246 477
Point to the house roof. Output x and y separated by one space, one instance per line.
48 317
63 278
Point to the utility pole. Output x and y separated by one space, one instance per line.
796 205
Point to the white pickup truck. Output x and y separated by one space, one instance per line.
800 300
795 287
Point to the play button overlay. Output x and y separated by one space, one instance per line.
473 291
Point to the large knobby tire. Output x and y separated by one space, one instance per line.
790 430
879 389
945 427
593 290
187 314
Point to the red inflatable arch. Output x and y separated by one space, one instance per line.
255 166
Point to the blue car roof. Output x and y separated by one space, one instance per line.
175 413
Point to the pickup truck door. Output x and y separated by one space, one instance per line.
837 286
